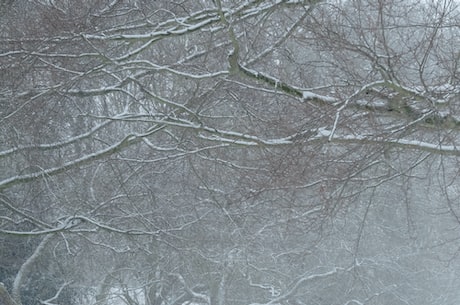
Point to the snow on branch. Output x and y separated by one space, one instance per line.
277 84
172 27
113 229
71 223
37 222
200 20
55 144
54 298
125 142
299 282
228 137
65 225
155 67
324 134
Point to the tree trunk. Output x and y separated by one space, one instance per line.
5 298
26 269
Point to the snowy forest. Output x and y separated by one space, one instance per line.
225 152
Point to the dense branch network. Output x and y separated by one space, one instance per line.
202 147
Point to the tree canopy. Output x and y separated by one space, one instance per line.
229 152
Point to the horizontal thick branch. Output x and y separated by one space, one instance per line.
234 138
125 142
54 145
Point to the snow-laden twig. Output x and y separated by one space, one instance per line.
125 142
37 222
406 143
65 225
55 145
172 31
152 66
53 298
302 280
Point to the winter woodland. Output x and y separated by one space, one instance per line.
224 152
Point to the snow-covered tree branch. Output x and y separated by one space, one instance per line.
229 152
